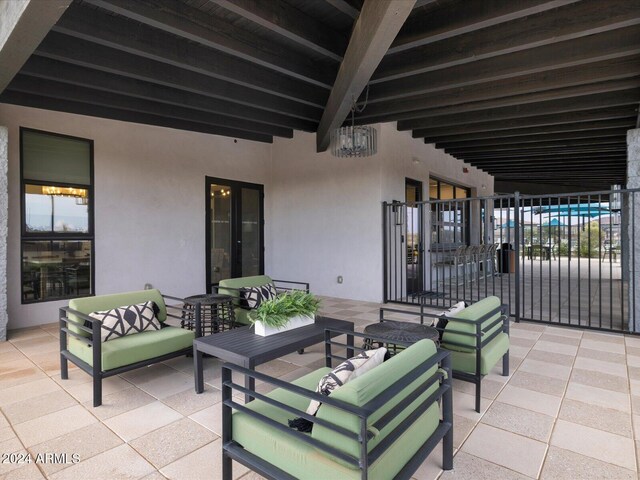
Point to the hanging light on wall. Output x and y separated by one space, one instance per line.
355 141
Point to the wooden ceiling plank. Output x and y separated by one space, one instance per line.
83 53
571 53
542 145
197 26
90 96
40 67
563 128
572 21
541 85
39 101
346 7
609 113
23 25
375 29
450 22
534 139
281 18
116 32
549 107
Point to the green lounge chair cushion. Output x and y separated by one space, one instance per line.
135 348
306 462
88 305
473 312
490 354
241 314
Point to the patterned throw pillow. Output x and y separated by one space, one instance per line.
254 296
127 320
347 370
441 322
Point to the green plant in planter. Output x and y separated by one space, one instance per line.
277 311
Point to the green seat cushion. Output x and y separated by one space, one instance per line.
98 303
242 316
473 312
306 462
135 348
489 356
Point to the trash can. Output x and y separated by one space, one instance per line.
506 258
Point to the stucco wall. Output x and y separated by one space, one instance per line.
4 205
149 202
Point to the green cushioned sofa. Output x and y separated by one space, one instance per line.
477 337
380 426
80 340
232 287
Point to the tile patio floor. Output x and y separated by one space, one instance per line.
569 410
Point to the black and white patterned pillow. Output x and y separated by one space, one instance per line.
441 322
127 320
337 377
253 296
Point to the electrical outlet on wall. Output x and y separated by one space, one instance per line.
340 279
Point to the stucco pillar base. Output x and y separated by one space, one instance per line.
4 214
633 227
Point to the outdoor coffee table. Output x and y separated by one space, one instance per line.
243 347
391 331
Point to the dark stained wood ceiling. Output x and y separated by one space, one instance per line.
527 90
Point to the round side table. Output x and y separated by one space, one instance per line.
390 331
216 313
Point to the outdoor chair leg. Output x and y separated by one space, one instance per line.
97 390
505 364
227 467
478 395
64 367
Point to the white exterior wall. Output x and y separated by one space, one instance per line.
322 214
149 202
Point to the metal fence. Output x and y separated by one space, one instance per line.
562 259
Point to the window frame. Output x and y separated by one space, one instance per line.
26 236
467 222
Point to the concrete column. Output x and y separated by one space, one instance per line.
4 214
632 207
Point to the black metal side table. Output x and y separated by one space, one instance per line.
391 331
216 313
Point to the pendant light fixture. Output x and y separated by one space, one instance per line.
355 141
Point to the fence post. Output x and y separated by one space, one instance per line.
516 221
385 265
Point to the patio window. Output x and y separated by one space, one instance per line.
450 219
57 216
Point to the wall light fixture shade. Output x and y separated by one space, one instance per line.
354 141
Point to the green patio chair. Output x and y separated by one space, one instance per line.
380 426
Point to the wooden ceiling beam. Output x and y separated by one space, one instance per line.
539 163
86 54
289 22
541 139
571 53
585 127
40 67
90 96
195 25
556 154
608 113
450 22
619 92
375 29
568 22
122 34
560 83
39 101
23 25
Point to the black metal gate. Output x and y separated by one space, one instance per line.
560 259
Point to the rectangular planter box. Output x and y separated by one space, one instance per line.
295 322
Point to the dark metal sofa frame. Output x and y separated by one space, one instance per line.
95 342
231 450
481 340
